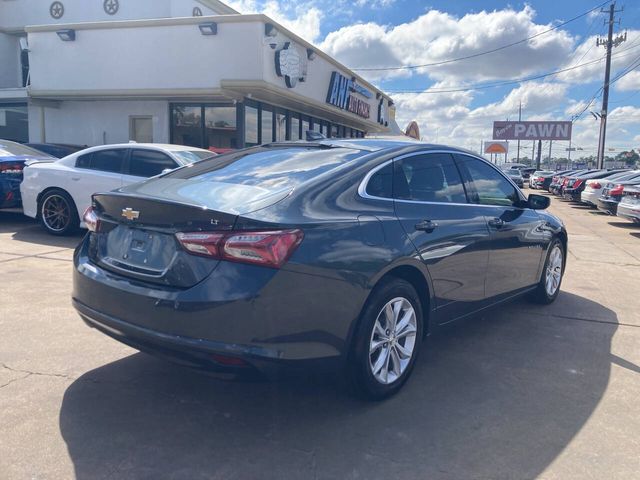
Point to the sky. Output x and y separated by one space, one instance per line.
375 34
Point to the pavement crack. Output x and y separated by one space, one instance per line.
42 374
15 380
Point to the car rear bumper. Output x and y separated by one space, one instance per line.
573 195
630 212
268 318
607 206
10 192
590 198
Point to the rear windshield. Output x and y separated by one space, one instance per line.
268 168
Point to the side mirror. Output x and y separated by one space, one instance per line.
538 202
166 170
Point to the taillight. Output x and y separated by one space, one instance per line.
595 185
11 167
269 249
577 183
617 190
91 220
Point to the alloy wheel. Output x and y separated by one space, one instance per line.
554 271
393 340
56 213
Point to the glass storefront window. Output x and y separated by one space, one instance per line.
250 126
305 128
220 127
187 125
295 127
14 123
267 126
281 126
317 126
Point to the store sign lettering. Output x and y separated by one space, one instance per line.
340 95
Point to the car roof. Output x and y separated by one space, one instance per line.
161 146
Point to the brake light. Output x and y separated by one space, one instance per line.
617 190
577 183
11 167
91 220
595 185
269 249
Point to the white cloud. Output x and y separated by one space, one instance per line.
438 36
302 19
630 82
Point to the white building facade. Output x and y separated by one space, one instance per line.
190 72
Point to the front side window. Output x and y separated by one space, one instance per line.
486 186
148 163
428 177
103 160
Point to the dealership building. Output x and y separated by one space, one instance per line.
189 72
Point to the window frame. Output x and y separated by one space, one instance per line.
362 187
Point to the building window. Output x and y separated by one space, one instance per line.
186 123
317 126
14 123
266 123
250 126
220 127
204 125
295 126
305 128
141 129
281 126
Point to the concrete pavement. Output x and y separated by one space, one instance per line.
521 392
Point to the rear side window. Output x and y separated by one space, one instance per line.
486 186
381 183
429 177
103 160
148 163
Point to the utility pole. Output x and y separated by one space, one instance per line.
539 155
550 142
519 119
533 150
608 45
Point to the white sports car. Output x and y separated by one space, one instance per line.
58 193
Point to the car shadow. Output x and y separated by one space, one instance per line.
626 225
26 229
495 396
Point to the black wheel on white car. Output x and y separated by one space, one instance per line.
549 286
58 213
387 340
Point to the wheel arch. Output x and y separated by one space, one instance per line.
42 194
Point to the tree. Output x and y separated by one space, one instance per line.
629 157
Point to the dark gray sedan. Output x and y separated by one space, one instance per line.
346 251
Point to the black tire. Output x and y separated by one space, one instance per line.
541 294
360 366
66 222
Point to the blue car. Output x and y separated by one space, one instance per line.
13 158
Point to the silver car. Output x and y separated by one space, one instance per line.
629 206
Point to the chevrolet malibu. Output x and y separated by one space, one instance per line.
347 252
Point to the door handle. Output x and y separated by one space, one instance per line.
426 226
496 223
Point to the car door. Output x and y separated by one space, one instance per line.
449 234
145 163
97 171
518 236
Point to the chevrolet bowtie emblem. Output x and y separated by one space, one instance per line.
130 214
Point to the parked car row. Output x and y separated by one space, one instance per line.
58 191
615 191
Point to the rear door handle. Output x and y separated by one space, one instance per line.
496 223
426 226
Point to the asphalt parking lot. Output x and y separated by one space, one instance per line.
521 392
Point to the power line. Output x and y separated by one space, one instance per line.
475 55
508 82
